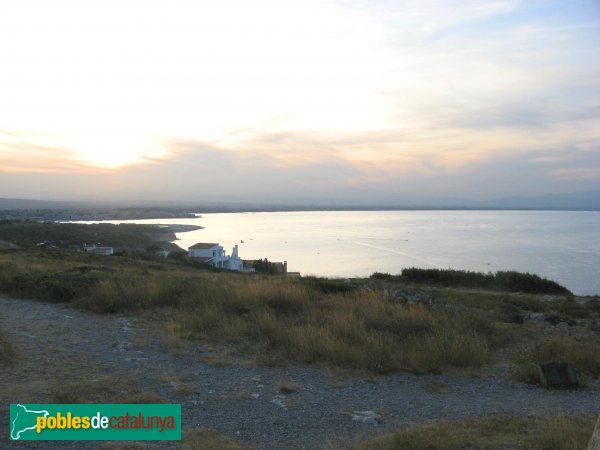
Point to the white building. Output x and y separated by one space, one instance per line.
106 251
214 254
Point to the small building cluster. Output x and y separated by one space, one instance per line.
214 254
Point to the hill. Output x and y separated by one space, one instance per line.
74 235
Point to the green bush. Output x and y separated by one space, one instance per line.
507 281
384 276
569 308
327 285
60 286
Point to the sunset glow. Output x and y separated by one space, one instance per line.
351 92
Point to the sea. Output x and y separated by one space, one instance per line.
563 246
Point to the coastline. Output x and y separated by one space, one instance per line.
357 244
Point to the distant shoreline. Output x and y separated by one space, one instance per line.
57 210
60 215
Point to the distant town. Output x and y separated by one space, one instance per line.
58 215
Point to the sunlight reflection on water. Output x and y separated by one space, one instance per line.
560 245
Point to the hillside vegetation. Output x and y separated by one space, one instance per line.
375 324
74 235
498 432
502 281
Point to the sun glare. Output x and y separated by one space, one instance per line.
116 89
114 148
111 84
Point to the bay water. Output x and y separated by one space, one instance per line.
563 246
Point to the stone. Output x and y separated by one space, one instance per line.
564 328
368 417
536 318
372 414
363 419
279 401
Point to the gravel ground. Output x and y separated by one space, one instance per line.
242 400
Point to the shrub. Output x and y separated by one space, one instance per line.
326 285
529 283
508 280
448 348
594 305
384 276
178 255
59 286
511 313
568 307
265 266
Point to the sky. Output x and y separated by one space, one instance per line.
348 101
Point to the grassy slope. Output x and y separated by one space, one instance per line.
73 235
509 281
282 321
514 432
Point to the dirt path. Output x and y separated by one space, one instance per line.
67 354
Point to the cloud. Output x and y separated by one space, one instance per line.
425 17
202 173
35 153
348 99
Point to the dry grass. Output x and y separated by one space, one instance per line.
514 432
360 330
436 387
219 359
205 439
279 320
179 387
236 394
173 340
7 352
581 353
91 388
191 439
287 387
106 389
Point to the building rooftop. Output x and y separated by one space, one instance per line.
203 245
